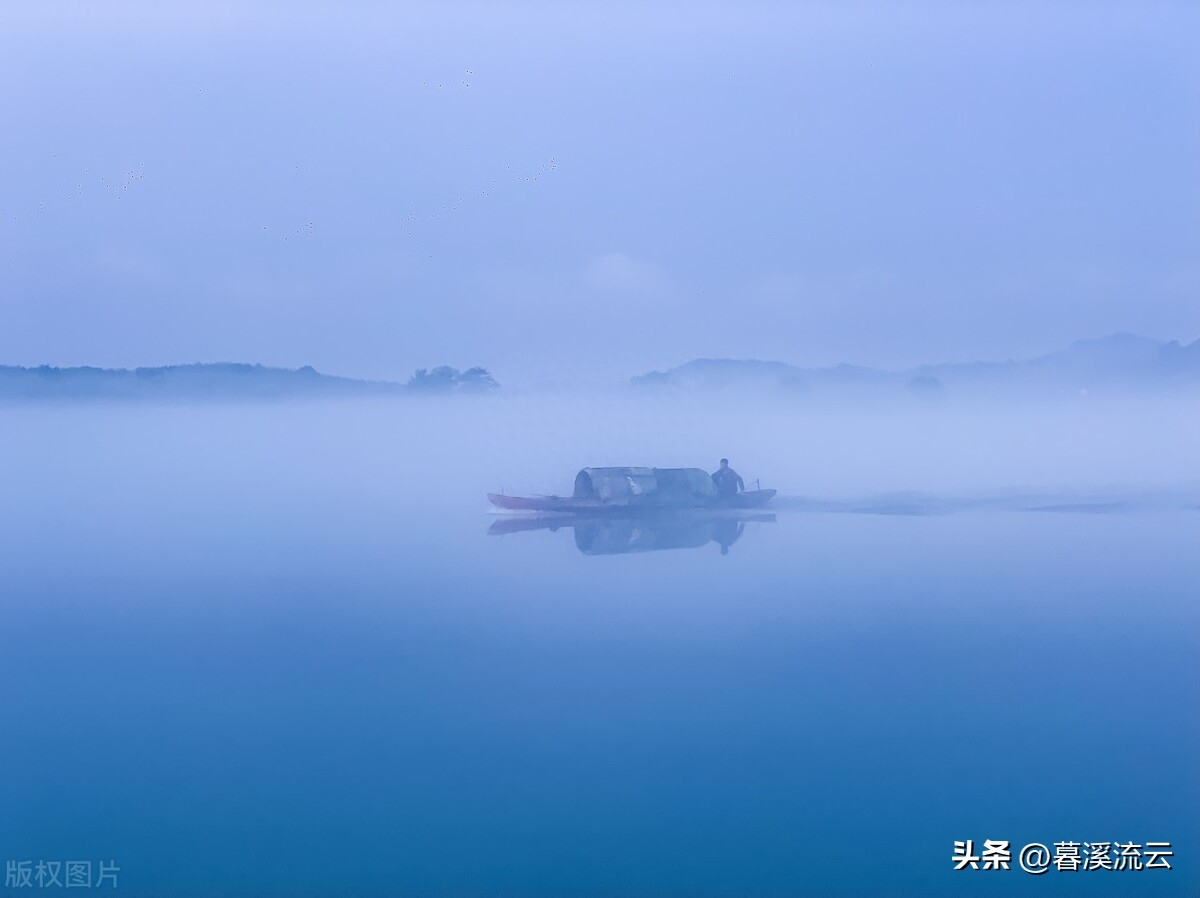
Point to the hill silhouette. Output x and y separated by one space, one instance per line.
221 381
1117 363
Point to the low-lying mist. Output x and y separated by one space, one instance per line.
62 461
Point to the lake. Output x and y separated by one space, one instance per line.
267 650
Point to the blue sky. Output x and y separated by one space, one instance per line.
590 191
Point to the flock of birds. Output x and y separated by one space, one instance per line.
412 224
441 84
114 188
303 231
415 218
118 187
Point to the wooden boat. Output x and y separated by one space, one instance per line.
601 490
569 504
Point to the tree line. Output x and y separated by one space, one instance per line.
445 379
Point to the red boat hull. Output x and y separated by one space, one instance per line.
748 499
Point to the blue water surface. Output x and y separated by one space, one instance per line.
238 667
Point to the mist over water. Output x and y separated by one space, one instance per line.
266 649
444 455
257 646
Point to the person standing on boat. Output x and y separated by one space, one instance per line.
727 480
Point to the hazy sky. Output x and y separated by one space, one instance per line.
596 190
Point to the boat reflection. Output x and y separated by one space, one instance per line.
613 534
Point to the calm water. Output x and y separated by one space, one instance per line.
277 651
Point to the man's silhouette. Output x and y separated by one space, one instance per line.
727 480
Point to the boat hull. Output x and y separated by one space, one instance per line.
748 499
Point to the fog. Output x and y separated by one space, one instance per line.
587 192
271 634
266 646
104 461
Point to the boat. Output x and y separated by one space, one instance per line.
612 489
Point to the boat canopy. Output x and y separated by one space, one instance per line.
665 485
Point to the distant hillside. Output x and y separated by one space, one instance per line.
1116 363
221 381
